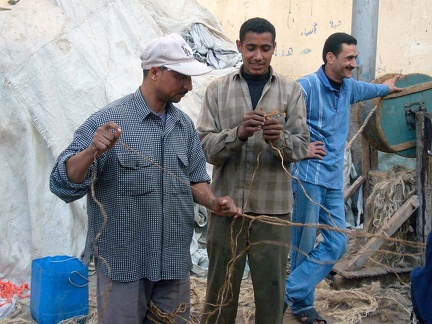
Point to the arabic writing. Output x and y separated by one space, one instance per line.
311 31
335 24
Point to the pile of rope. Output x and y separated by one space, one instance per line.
351 306
348 306
393 189
198 290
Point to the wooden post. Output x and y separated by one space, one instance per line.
354 187
424 175
369 162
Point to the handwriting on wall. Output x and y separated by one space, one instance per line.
307 31
334 24
284 52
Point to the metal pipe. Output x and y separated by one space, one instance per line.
364 27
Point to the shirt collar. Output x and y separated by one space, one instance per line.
237 73
143 110
322 76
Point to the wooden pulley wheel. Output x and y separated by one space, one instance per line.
391 128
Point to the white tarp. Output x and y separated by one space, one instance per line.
59 62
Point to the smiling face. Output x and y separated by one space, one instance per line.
340 67
257 51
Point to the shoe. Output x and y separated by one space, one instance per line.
310 316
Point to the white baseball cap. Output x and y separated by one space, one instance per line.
172 52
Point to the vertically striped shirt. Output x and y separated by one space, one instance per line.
150 212
328 111
250 171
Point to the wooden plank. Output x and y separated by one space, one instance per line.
424 176
369 162
409 90
372 271
387 230
353 187
403 146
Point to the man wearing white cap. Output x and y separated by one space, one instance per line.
144 160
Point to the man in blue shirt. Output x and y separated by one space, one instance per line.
329 92
143 157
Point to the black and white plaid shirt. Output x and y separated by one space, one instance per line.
150 213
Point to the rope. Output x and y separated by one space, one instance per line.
95 250
361 129
157 316
226 288
8 290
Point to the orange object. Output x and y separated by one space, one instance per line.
8 290
271 114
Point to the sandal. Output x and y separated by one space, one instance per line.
311 316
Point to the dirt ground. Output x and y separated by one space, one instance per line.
361 302
384 300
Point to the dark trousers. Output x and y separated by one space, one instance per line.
128 302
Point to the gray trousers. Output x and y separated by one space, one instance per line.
268 248
128 302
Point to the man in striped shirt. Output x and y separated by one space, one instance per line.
329 92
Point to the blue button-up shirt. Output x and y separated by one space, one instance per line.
150 212
327 111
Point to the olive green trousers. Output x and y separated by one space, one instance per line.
266 247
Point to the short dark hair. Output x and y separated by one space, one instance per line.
334 43
257 25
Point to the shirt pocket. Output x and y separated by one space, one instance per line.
181 182
136 175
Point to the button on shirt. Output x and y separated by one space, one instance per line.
250 171
150 211
328 121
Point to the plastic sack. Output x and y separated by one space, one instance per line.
59 289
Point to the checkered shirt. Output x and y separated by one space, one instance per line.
150 213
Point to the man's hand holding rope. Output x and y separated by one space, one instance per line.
225 206
252 122
103 140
